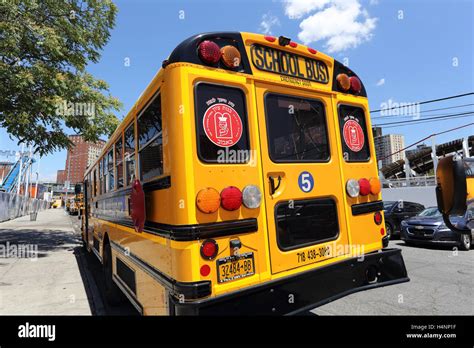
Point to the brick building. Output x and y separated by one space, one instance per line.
79 157
61 176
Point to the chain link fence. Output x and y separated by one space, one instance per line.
13 206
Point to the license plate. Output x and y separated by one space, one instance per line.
235 267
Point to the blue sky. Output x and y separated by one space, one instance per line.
424 52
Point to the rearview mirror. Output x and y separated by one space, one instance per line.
451 188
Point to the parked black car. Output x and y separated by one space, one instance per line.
396 211
429 228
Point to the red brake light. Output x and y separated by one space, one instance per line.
205 270
378 218
364 185
209 52
231 198
356 85
209 249
382 231
270 38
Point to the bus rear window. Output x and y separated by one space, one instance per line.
355 143
296 129
221 123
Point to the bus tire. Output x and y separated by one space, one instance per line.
113 295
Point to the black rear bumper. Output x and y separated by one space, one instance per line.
304 291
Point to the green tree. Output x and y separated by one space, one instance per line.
45 46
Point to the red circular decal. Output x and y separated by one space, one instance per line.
222 125
353 135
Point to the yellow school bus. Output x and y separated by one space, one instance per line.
242 181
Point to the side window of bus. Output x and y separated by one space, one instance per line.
104 175
110 169
129 154
119 162
354 139
150 137
221 124
100 178
296 129
94 183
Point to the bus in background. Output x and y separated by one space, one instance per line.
242 181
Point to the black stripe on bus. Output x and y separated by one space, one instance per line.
158 184
180 290
364 208
186 233
201 231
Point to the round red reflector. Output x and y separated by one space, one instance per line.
209 249
378 218
312 50
356 86
209 52
382 231
293 44
231 198
270 38
364 185
205 270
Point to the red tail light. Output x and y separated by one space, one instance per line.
378 218
231 198
364 185
205 270
356 85
209 249
209 52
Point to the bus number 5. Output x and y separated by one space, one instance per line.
306 181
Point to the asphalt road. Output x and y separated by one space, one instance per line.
441 283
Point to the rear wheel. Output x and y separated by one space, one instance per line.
113 295
465 243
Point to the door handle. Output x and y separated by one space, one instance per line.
273 188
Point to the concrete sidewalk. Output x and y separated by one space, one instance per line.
40 271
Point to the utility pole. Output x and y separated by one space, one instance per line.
67 179
20 170
37 177
434 157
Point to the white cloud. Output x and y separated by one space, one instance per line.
341 24
380 82
268 22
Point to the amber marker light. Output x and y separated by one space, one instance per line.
208 200
230 56
343 82
375 186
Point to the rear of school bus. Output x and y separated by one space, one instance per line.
274 190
